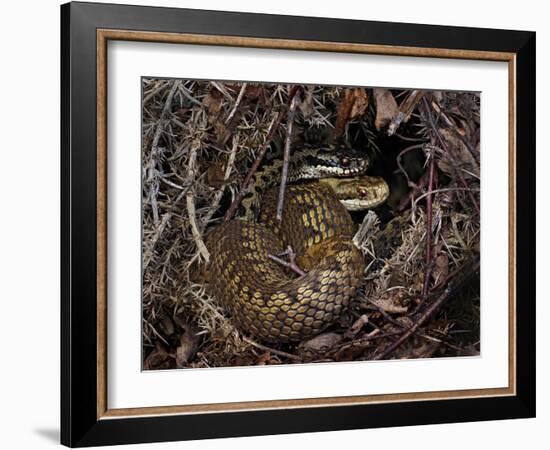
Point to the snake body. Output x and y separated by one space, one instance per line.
264 298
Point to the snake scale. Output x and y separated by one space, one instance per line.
265 299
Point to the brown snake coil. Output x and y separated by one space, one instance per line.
264 298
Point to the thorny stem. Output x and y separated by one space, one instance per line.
227 173
190 201
246 183
152 171
286 155
273 127
237 103
429 215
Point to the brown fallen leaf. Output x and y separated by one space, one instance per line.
215 174
353 104
357 326
386 107
360 104
457 157
406 108
306 102
441 267
213 104
322 342
189 344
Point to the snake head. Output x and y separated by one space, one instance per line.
359 193
339 162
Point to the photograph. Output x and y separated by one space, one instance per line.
295 224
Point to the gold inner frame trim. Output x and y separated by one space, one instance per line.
103 36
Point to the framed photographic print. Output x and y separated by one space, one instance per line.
277 224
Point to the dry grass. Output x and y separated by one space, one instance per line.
199 140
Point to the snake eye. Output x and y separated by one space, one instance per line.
362 192
345 161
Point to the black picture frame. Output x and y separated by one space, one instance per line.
80 424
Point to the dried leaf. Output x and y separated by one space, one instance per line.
213 104
306 103
159 359
353 104
441 267
215 174
322 342
386 107
167 324
188 346
360 104
393 302
357 326
458 158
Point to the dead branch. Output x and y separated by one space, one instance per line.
237 103
286 155
218 196
152 173
291 263
399 164
271 350
405 110
429 232
190 200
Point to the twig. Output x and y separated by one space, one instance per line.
435 191
218 196
244 189
410 139
237 103
150 243
271 350
291 264
448 293
152 175
409 198
286 155
405 110
401 168
429 256
160 128
222 89
190 200
402 326
162 85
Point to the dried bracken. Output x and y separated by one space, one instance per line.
201 141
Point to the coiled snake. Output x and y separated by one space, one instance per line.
263 297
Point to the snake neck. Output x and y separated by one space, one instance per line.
305 164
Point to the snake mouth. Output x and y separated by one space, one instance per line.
337 163
359 193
